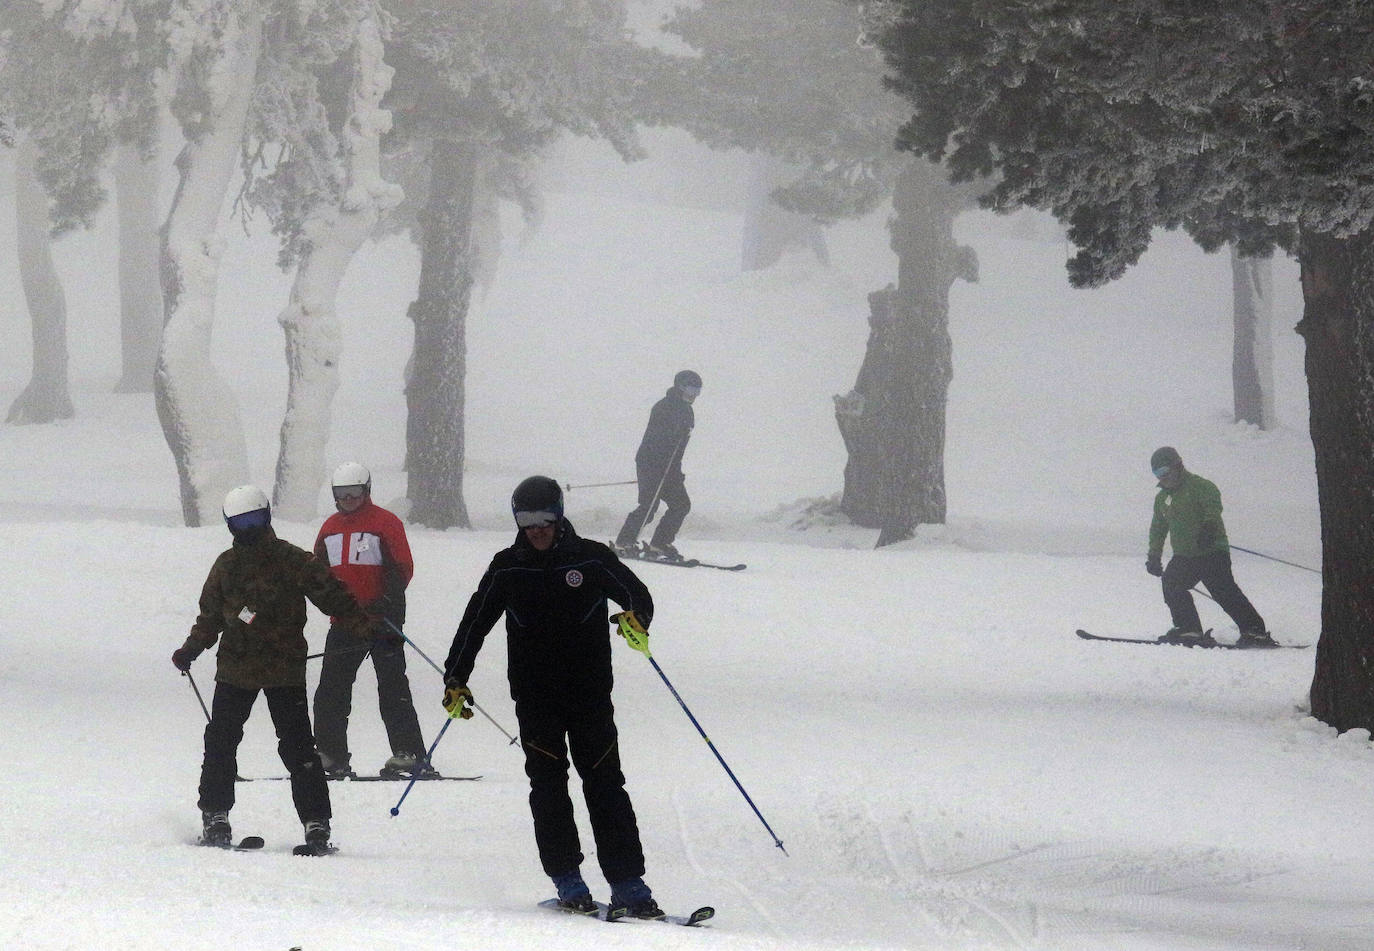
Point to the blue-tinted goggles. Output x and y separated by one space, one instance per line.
1162 471
258 518
535 519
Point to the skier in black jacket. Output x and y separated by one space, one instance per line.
552 586
658 467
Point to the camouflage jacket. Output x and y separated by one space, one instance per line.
253 603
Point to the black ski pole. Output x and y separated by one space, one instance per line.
568 487
639 641
204 709
340 650
653 504
440 671
1290 564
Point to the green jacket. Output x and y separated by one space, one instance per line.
1190 516
255 597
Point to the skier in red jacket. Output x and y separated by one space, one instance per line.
365 547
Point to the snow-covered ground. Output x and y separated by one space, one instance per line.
947 765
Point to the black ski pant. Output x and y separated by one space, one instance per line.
673 495
289 709
1214 571
549 734
334 696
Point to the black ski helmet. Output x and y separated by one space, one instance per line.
1165 457
686 378
537 494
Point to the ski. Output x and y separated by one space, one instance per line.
366 779
315 851
604 912
640 554
1206 645
249 843
609 913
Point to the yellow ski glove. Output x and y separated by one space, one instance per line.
457 701
634 632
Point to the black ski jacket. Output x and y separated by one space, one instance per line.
665 437
558 642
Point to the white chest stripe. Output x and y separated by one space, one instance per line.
362 548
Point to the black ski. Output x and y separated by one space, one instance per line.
640 554
315 850
609 913
249 843
604 912
366 779
1208 644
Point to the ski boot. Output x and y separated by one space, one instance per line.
1253 639
316 839
636 898
215 829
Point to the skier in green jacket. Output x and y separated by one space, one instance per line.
1188 512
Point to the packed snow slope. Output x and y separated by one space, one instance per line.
946 764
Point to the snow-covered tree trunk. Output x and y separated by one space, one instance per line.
1338 327
137 177
1252 360
434 393
908 367
333 235
47 397
199 415
770 229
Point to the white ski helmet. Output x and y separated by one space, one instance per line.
244 499
352 473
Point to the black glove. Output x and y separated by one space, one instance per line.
1154 566
183 656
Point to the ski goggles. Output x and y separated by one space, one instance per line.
690 392
1162 471
535 519
258 518
349 493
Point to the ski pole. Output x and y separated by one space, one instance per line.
1290 564
653 504
513 739
639 640
187 675
419 768
203 709
340 650
597 485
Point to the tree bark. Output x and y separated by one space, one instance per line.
435 391
310 319
198 412
1252 360
1338 327
47 396
895 476
137 178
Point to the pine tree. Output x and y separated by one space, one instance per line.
1236 120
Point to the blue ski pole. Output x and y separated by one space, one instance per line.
419 768
637 637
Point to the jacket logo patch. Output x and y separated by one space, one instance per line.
574 578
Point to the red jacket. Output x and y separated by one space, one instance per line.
367 550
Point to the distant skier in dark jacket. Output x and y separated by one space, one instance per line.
253 604
1188 512
658 467
552 586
